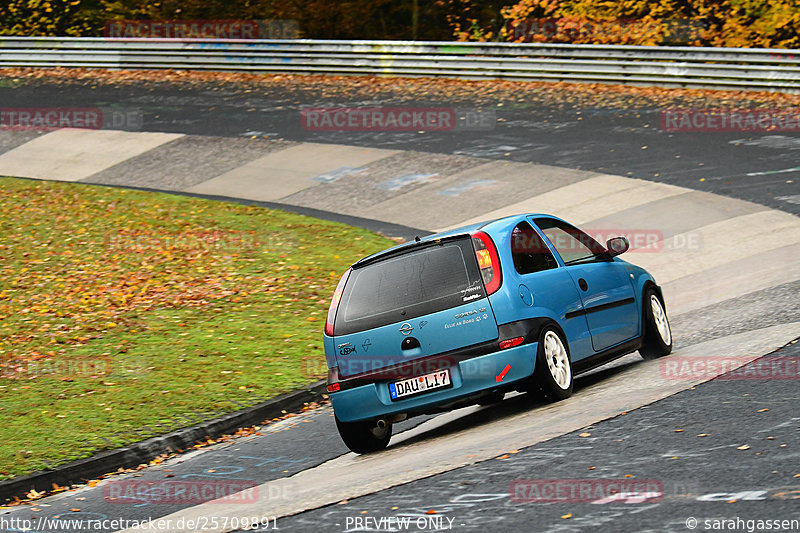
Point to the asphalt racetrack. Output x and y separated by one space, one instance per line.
639 447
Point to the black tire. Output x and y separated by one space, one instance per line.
554 380
656 341
364 437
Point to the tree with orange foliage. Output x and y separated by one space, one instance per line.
734 23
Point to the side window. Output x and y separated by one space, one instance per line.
528 250
572 244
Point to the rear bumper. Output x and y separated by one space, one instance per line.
469 378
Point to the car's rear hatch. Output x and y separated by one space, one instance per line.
419 301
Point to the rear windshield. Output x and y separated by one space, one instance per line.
431 278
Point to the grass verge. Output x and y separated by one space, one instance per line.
127 314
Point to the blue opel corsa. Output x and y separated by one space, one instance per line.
461 317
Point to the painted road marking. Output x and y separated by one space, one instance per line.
395 184
334 175
793 199
464 187
769 172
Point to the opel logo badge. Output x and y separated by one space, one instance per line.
406 329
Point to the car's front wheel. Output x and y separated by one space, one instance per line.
553 370
365 437
657 340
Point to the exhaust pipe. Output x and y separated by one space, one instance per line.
381 424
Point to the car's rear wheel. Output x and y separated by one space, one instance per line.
553 371
365 437
657 340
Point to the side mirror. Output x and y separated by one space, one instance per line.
617 245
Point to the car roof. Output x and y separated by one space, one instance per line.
486 225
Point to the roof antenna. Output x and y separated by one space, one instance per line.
416 239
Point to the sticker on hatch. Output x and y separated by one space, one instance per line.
417 385
472 316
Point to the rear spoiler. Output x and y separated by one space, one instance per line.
406 247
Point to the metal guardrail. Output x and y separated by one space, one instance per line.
722 68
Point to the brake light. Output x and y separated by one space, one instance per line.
510 343
334 387
488 261
337 296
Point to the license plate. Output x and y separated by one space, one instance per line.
420 384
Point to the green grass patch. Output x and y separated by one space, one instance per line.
127 314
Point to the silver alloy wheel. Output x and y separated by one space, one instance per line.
660 318
557 360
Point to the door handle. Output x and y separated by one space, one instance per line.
583 285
